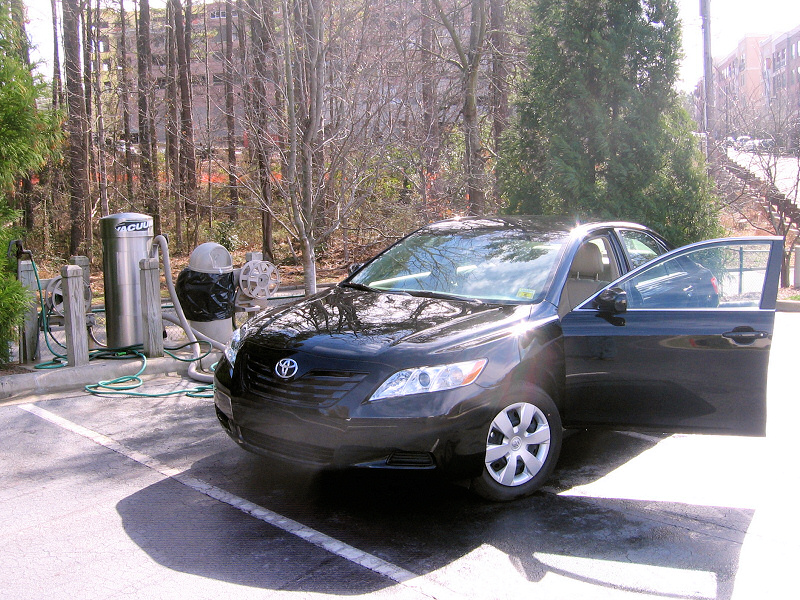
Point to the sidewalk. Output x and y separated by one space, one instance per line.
771 549
48 381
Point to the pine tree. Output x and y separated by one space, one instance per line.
600 125
27 137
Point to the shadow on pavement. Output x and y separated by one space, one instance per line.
426 525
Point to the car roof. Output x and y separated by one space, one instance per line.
565 226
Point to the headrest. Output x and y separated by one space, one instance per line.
588 263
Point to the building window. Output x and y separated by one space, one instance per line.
221 14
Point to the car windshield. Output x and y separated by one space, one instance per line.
490 265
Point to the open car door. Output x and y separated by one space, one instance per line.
680 344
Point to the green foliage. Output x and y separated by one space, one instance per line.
27 137
14 301
600 131
14 298
225 234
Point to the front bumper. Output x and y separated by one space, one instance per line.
445 431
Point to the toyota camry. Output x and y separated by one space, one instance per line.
470 345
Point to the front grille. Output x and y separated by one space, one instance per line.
410 460
295 451
317 388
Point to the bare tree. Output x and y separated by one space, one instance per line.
77 175
187 160
88 35
261 113
100 123
58 89
430 111
124 90
469 53
230 117
148 161
498 39
172 159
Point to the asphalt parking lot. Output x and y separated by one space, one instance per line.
147 498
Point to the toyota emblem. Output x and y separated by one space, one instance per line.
286 368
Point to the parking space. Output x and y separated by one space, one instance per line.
148 498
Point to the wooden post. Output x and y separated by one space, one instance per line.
83 263
29 336
74 316
152 325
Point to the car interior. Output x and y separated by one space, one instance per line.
591 270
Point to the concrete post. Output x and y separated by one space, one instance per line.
152 324
29 336
797 267
75 316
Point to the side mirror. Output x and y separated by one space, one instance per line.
354 267
613 301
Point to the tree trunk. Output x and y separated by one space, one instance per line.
88 33
430 111
124 91
76 127
230 121
187 158
261 34
101 134
58 89
469 61
172 157
499 82
208 142
149 184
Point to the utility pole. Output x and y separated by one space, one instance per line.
708 69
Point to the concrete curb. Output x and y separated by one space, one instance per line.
48 381
788 306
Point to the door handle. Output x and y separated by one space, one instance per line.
745 335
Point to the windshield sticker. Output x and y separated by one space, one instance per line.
526 293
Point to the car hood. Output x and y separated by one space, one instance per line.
345 322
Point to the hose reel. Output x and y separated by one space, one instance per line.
54 296
259 279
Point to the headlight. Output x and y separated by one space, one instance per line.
430 379
233 345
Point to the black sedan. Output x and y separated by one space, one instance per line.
469 345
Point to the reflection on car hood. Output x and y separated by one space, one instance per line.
346 322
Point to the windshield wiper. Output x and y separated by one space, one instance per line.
443 296
358 286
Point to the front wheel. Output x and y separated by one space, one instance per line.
522 447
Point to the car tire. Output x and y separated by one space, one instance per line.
523 442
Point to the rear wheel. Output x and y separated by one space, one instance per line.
522 447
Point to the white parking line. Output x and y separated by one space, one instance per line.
425 587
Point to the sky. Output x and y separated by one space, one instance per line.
731 20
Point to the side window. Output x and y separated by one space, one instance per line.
724 276
641 247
